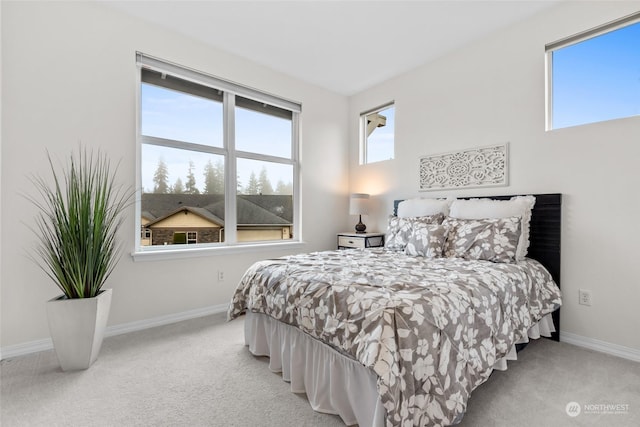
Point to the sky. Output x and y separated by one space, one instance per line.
380 142
597 79
183 117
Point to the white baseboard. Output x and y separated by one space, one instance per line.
601 346
164 320
46 344
26 348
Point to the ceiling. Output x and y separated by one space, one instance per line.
343 46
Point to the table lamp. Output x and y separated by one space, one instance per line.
359 205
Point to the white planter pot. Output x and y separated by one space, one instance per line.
77 328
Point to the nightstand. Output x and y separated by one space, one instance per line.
360 240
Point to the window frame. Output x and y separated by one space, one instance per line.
582 36
364 145
229 91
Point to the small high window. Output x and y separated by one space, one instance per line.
377 129
595 75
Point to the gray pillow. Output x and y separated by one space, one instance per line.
493 239
399 229
427 241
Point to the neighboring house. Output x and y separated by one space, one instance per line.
169 219
145 234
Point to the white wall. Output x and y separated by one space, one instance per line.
69 75
492 92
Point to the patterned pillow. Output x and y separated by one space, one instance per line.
399 229
493 239
485 208
427 241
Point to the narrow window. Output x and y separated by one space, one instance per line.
266 173
216 159
377 128
595 75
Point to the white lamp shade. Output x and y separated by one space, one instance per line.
359 204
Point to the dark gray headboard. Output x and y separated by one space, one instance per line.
544 236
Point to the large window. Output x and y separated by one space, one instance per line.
218 161
377 134
595 75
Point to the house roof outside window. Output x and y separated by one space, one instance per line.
253 210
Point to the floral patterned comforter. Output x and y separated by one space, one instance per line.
431 329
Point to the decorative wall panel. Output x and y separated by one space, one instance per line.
476 167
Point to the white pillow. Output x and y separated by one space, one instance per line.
486 208
412 208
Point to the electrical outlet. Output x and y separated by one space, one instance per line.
220 276
584 297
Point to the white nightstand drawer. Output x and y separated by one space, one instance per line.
351 242
360 240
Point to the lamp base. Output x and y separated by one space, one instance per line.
360 227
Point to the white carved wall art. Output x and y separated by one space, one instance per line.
476 167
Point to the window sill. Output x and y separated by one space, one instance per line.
166 254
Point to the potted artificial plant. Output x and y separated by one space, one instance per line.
79 214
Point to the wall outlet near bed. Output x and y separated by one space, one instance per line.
584 297
220 276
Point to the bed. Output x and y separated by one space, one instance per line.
384 337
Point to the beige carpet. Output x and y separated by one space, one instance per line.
199 373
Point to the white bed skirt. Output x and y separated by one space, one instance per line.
333 382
